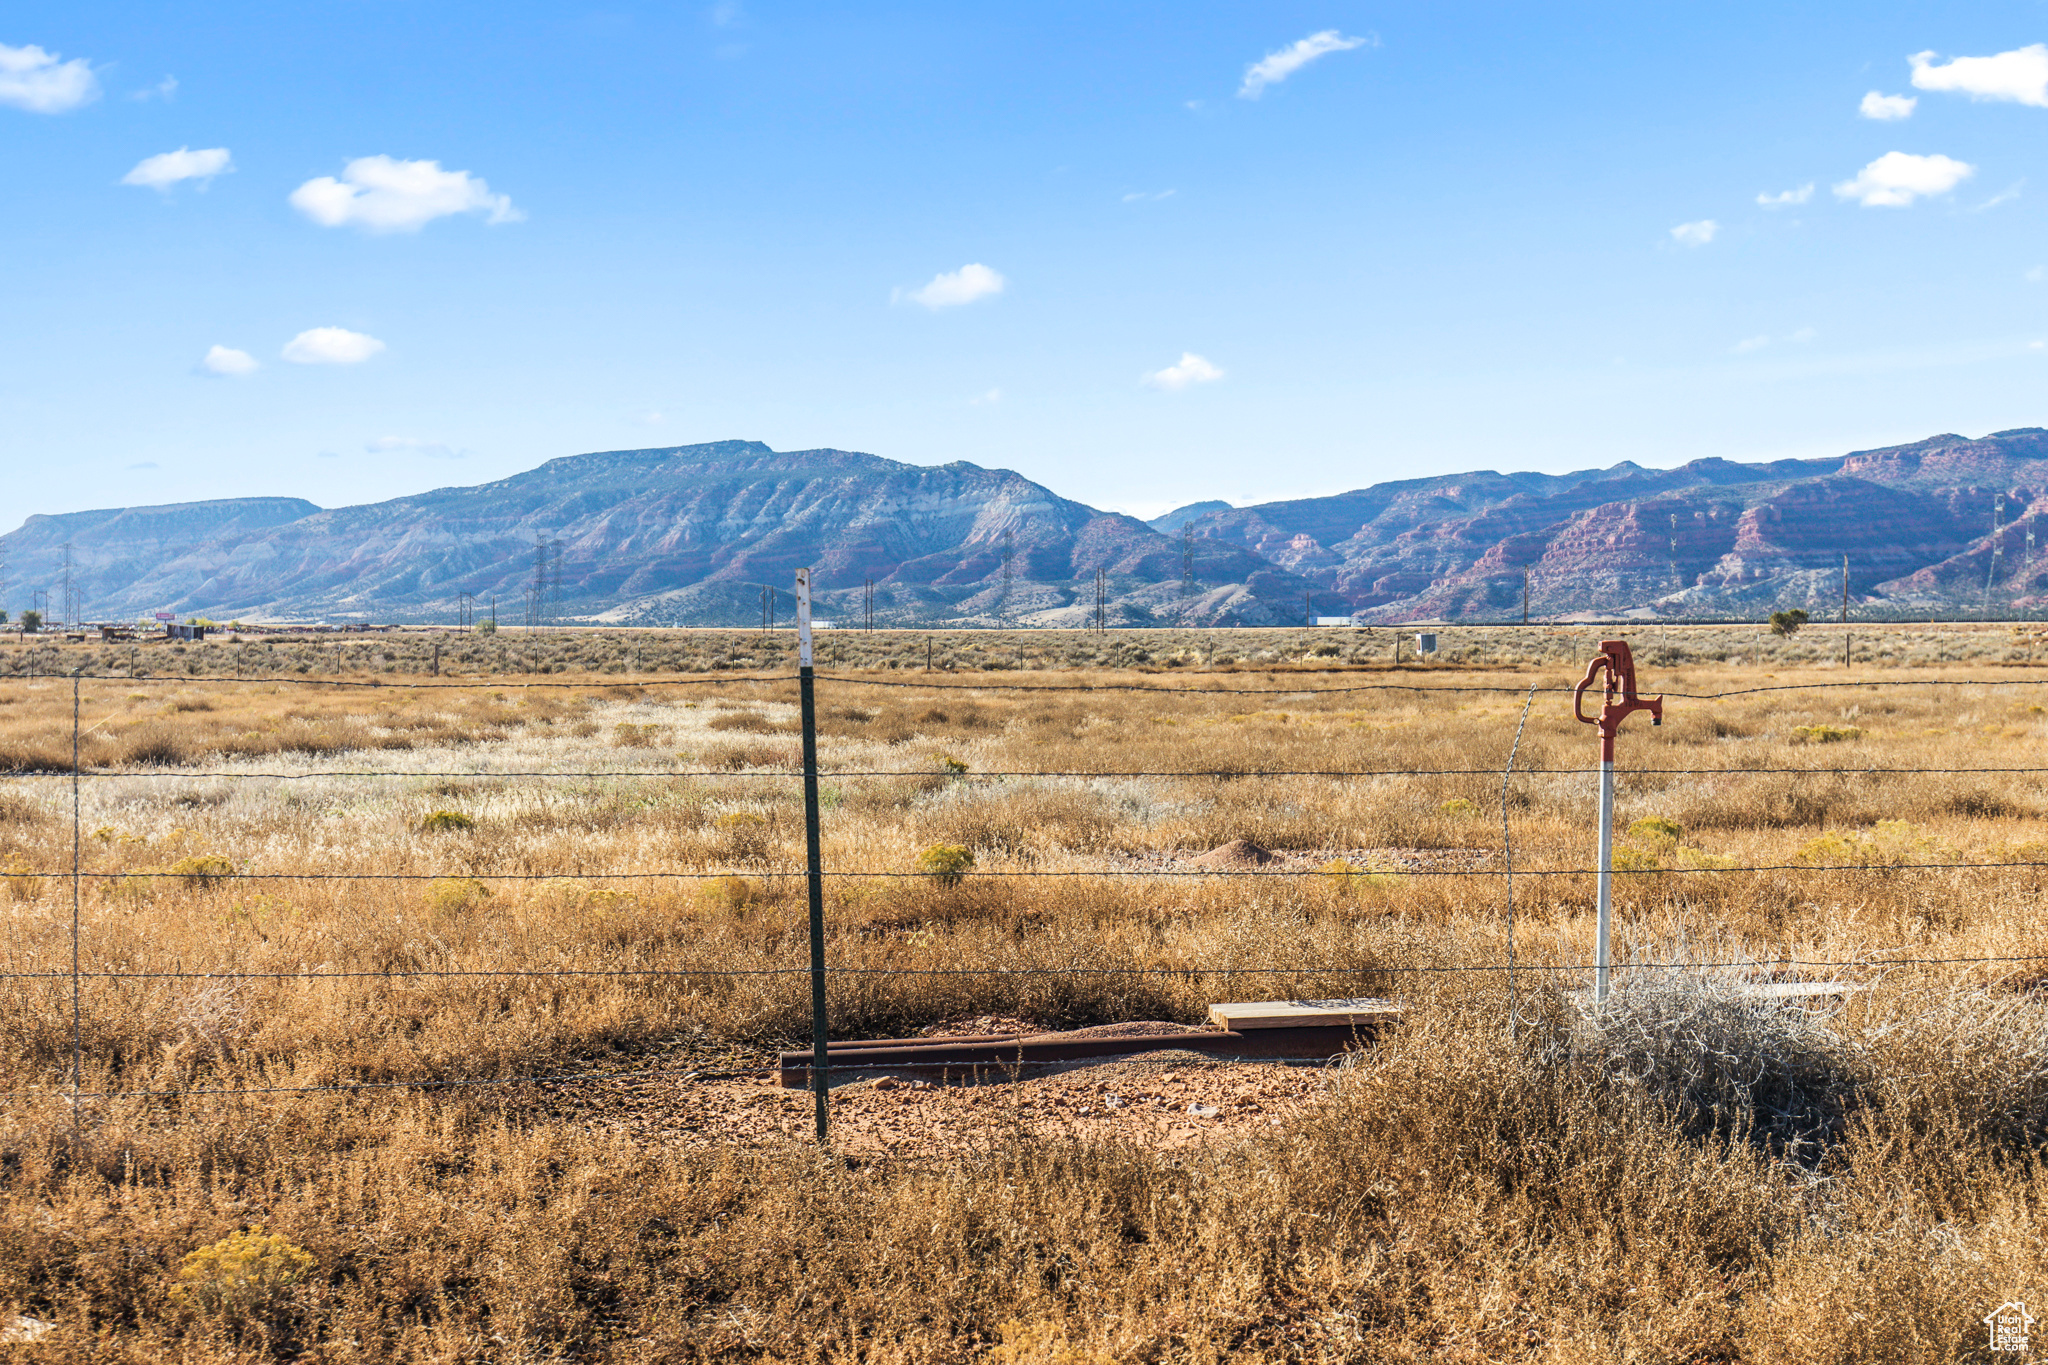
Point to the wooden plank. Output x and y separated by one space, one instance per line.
1250 1014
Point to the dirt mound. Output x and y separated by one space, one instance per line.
982 1026
1236 853
1135 1028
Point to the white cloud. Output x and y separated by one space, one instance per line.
1140 196
166 169
1190 369
165 89
1896 179
1886 108
435 450
2035 274
1276 67
39 82
226 360
2019 76
1695 234
1757 343
2004 196
380 194
992 396
331 346
953 288
1786 197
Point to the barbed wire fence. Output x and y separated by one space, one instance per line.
820 970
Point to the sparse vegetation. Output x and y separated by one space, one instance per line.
1696 1174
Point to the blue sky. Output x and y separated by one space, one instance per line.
1084 242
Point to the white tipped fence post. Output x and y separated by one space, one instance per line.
1603 930
1617 667
813 855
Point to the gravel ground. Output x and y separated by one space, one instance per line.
1167 1099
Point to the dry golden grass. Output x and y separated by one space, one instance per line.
1695 1178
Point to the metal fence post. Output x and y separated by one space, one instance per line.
77 1024
813 853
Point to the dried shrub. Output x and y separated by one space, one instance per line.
203 870
456 895
746 836
20 880
946 864
153 746
734 757
446 822
729 895
250 1272
747 723
1719 1059
1890 843
1825 734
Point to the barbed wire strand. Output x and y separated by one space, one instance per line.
1876 959
1113 873
1227 774
1025 688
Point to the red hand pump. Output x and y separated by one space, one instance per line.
1618 667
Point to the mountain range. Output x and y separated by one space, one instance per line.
695 535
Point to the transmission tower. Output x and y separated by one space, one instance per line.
537 591
1187 570
1997 535
72 610
1009 551
555 574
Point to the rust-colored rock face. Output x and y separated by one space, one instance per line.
1711 538
688 535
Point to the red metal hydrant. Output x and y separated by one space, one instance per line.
1619 668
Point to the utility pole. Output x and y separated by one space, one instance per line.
1525 597
1845 587
1101 602
71 609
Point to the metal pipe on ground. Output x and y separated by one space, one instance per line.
976 1058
